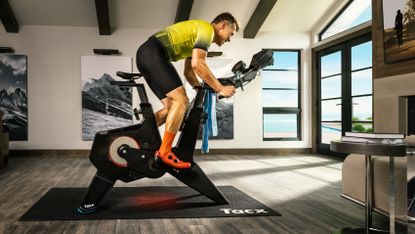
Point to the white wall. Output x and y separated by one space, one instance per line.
386 93
54 83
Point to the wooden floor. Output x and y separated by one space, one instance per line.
305 189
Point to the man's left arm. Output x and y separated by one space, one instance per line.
189 74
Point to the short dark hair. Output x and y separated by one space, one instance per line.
226 16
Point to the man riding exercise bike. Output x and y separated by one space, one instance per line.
189 40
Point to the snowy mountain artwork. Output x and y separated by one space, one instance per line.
104 106
13 95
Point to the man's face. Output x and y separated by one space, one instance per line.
225 32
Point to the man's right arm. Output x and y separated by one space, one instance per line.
201 68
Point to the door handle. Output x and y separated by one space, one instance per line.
340 104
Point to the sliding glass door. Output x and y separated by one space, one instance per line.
344 91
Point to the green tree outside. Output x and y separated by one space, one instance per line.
359 128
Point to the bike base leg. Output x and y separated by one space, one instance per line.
97 189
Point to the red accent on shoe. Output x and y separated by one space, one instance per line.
172 160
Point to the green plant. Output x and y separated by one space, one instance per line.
359 128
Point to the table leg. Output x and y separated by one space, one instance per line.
368 192
392 195
368 207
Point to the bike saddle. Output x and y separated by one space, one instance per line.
129 76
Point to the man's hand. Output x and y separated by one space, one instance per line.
227 91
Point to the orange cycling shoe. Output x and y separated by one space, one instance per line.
172 160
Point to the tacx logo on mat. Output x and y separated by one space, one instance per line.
244 211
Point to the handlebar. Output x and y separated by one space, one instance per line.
244 76
239 80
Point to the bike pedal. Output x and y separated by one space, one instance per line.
158 163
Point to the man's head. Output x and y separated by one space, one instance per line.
225 26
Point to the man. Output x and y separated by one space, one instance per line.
399 27
188 40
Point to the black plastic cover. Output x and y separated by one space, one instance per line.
262 59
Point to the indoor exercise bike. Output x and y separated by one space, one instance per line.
127 153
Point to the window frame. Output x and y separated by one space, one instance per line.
345 46
320 34
285 110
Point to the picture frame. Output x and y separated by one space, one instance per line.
104 106
398 18
14 95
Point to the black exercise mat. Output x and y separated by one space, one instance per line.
145 203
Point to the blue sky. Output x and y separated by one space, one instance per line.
389 11
285 60
356 13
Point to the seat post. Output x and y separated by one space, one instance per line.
142 93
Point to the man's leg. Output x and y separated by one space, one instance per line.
174 120
398 37
161 114
180 102
165 82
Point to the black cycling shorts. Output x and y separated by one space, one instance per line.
156 68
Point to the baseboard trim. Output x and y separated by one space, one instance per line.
72 153
85 153
262 152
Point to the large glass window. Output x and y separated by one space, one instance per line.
354 13
344 90
331 96
361 79
281 97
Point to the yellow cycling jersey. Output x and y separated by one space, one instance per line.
181 38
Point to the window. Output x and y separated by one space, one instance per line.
361 87
281 100
355 12
344 90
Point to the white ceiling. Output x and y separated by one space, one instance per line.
287 15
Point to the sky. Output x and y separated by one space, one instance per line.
390 7
356 13
13 71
